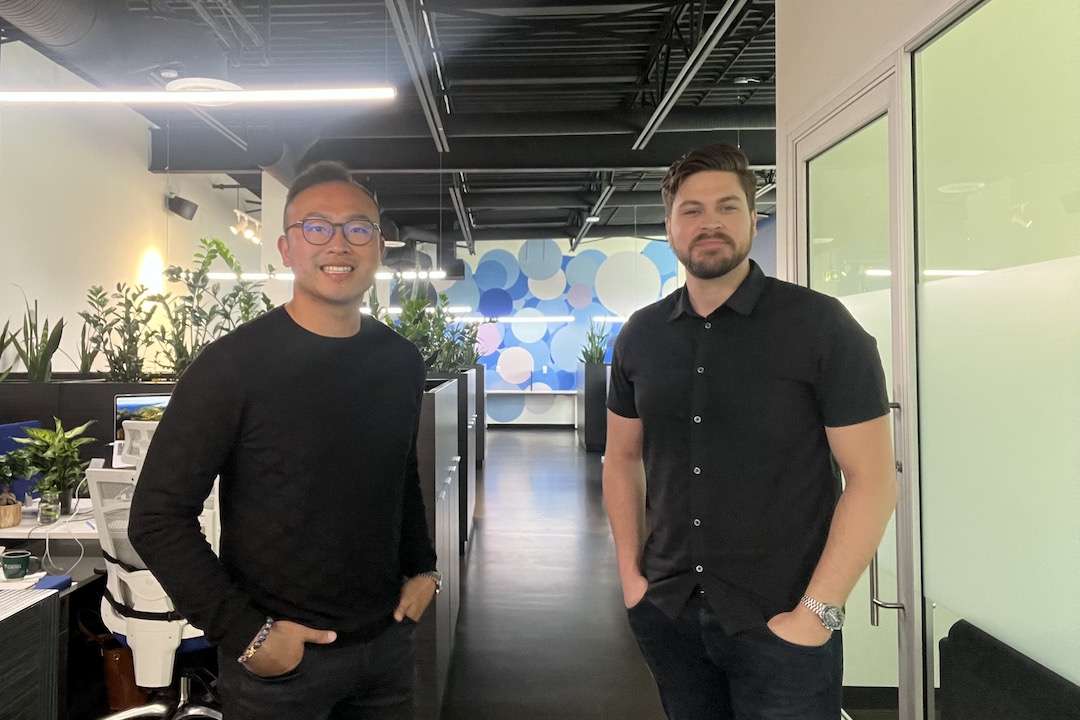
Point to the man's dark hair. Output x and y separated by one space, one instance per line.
727 158
324 171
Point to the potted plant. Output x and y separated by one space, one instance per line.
13 466
592 382
36 345
55 454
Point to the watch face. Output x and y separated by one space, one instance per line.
832 617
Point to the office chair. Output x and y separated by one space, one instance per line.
136 608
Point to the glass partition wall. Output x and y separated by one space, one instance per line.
997 155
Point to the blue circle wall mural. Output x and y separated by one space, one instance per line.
540 259
535 279
495 303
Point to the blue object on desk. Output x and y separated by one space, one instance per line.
53 582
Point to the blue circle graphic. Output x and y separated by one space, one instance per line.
567 380
490 275
662 256
495 303
520 289
505 408
508 261
540 259
553 308
582 269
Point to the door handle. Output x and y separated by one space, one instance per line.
876 603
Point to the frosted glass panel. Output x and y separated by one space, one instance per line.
849 250
998 161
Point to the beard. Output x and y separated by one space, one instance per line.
715 263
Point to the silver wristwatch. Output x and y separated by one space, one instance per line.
831 616
434 575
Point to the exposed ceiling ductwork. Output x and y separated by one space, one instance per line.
535 106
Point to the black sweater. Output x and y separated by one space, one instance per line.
321 514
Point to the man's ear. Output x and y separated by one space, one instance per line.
283 248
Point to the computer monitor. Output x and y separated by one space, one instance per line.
134 407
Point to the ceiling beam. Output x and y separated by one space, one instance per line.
717 30
196 149
415 58
597 207
460 125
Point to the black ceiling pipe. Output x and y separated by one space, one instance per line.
112 46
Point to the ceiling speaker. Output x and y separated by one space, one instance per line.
182 207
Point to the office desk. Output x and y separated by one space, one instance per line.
54 638
69 527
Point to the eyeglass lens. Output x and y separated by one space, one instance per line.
319 232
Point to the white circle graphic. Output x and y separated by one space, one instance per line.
548 288
626 282
515 365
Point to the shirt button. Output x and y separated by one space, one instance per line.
697 418
708 325
697 471
697 522
700 569
700 370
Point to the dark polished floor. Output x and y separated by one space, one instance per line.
542 633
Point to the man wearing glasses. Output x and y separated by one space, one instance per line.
309 414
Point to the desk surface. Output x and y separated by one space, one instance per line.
68 527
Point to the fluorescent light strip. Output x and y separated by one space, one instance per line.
411 275
194 97
249 276
929 273
548 319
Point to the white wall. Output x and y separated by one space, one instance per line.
78 206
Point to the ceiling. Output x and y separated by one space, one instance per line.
514 119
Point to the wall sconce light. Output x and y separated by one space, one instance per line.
247 226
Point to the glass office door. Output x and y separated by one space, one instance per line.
852 246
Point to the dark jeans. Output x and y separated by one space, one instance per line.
341 681
704 674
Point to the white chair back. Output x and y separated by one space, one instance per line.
137 437
153 641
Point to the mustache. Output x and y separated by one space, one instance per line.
714 236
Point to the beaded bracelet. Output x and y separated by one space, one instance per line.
259 640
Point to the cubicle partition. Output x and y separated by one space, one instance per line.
29 626
468 440
438 462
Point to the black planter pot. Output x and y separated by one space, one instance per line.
592 384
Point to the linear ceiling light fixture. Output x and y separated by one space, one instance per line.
199 97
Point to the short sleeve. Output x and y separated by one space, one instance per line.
850 387
621 390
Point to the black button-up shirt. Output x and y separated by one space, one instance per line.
741 482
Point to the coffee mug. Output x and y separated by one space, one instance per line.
19 563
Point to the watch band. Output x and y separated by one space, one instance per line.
436 576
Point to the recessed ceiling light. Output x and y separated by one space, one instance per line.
746 80
592 218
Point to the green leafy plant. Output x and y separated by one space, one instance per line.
446 344
5 340
204 311
13 466
595 348
120 322
88 350
36 345
55 454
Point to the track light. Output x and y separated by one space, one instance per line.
247 226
